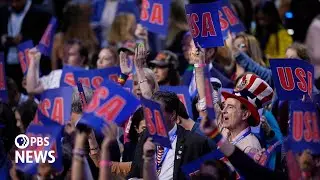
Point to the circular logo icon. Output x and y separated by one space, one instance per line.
21 141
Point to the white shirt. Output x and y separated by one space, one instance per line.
52 80
248 142
166 172
14 28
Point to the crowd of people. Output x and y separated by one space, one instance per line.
106 33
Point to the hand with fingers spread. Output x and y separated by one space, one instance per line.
140 56
125 65
110 134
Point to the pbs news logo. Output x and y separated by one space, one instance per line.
31 155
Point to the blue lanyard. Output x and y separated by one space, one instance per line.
241 137
165 152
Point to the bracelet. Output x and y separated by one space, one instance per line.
142 81
202 65
79 152
104 163
96 148
79 158
201 105
216 136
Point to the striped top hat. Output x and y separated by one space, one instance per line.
253 92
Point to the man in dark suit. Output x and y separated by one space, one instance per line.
186 146
20 21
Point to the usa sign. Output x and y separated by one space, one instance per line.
304 127
67 76
56 104
293 78
155 122
204 24
93 78
183 95
229 20
46 42
110 102
155 15
23 50
3 84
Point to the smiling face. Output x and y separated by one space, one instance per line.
232 114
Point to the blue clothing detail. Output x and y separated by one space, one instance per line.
4 163
250 65
278 137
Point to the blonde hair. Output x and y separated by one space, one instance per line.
150 76
254 50
114 53
121 28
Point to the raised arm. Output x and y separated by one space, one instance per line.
80 168
139 59
110 135
247 63
149 166
198 56
34 85
126 68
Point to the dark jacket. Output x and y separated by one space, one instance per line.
191 144
33 25
251 170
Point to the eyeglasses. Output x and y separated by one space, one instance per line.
242 46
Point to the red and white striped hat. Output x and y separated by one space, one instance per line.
252 91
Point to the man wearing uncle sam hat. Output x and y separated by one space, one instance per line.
240 111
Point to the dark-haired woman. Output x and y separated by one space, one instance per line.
138 124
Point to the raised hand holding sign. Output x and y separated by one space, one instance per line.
155 122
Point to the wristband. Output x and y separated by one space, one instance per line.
92 149
216 136
122 78
199 65
104 163
79 152
201 105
